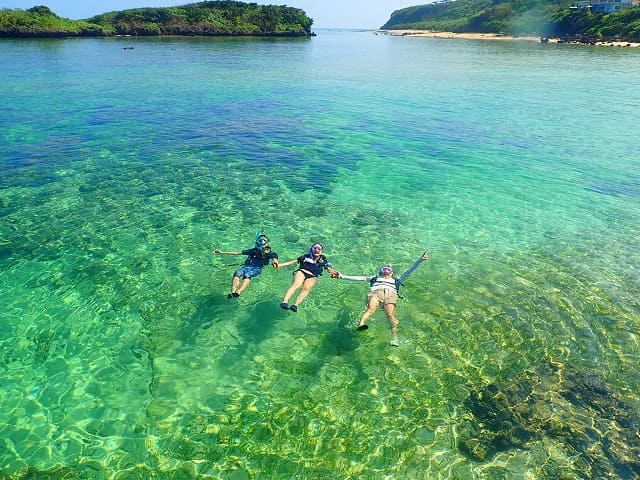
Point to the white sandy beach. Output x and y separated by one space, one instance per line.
489 36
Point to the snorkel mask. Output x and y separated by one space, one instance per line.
386 270
315 249
262 241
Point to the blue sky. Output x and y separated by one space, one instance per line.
325 13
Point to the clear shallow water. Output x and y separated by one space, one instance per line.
515 164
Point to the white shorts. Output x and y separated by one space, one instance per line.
384 296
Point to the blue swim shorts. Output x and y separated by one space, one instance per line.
247 272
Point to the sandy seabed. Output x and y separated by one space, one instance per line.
491 36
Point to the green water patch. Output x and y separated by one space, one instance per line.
132 360
121 357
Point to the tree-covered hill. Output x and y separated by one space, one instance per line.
214 18
42 22
519 17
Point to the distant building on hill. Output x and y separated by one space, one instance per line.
606 6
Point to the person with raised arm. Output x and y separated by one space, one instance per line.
383 291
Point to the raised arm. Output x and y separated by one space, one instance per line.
403 277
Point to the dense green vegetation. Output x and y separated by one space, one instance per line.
225 17
623 25
519 17
42 22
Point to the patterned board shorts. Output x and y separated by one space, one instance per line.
247 272
384 296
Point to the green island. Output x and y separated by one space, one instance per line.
214 18
570 20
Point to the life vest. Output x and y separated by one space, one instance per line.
314 266
381 282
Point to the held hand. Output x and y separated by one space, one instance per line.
425 255
275 264
334 273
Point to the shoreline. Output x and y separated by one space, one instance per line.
498 37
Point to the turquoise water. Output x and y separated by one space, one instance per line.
515 164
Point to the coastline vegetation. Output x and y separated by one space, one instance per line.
212 18
545 18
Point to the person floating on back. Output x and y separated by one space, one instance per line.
310 268
257 257
383 292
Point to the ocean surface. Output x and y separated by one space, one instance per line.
125 162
